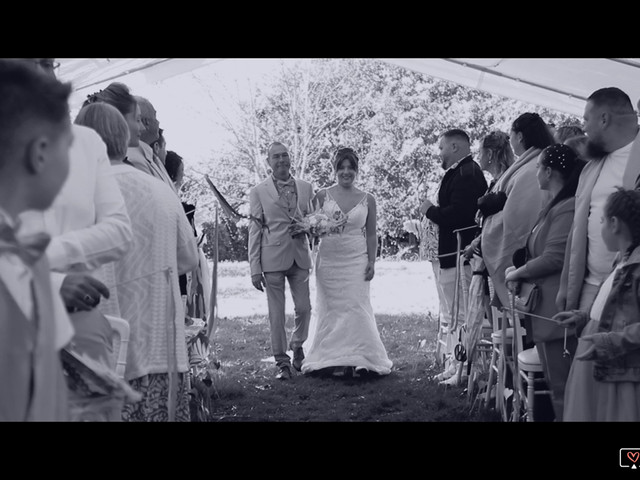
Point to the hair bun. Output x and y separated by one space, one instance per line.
345 152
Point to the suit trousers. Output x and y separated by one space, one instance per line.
299 285
446 281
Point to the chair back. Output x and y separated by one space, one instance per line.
120 343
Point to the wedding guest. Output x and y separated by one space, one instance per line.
35 138
463 183
540 262
144 155
567 131
192 284
175 168
506 230
139 154
149 117
613 151
159 147
604 382
89 227
147 279
495 157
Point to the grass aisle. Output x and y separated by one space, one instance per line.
404 300
246 388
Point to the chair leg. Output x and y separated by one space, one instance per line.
494 358
471 381
500 386
530 396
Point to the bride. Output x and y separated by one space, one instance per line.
345 336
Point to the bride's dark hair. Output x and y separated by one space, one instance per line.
345 153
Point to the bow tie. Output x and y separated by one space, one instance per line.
29 248
286 183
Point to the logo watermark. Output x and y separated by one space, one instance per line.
630 458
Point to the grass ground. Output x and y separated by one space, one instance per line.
245 389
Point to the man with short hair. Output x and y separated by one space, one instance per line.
274 254
149 118
463 183
35 137
143 157
611 126
159 147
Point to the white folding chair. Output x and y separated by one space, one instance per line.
120 343
503 362
529 365
530 374
107 408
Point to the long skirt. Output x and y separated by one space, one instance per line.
589 400
154 406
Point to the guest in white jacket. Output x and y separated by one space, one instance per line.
147 278
89 226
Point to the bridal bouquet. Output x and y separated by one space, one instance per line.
319 224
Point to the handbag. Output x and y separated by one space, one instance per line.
527 297
520 257
527 293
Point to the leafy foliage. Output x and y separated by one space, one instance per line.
391 116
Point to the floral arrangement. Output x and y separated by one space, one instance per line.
201 369
319 224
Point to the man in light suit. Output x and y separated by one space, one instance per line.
35 139
274 254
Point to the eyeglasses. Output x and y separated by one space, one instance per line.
46 63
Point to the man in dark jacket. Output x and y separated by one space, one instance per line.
463 183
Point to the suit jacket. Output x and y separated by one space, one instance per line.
143 158
271 248
546 247
575 260
33 387
457 205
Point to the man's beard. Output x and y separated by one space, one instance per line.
595 151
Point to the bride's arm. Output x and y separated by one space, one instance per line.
372 237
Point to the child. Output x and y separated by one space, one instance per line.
604 381
35 136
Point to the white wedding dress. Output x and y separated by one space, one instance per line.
343 330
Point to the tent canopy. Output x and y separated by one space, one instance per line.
561 84
88 75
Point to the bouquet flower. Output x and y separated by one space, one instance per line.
203 369
319 224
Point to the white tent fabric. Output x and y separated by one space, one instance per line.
562 84
88 75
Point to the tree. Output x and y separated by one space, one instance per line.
391 116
